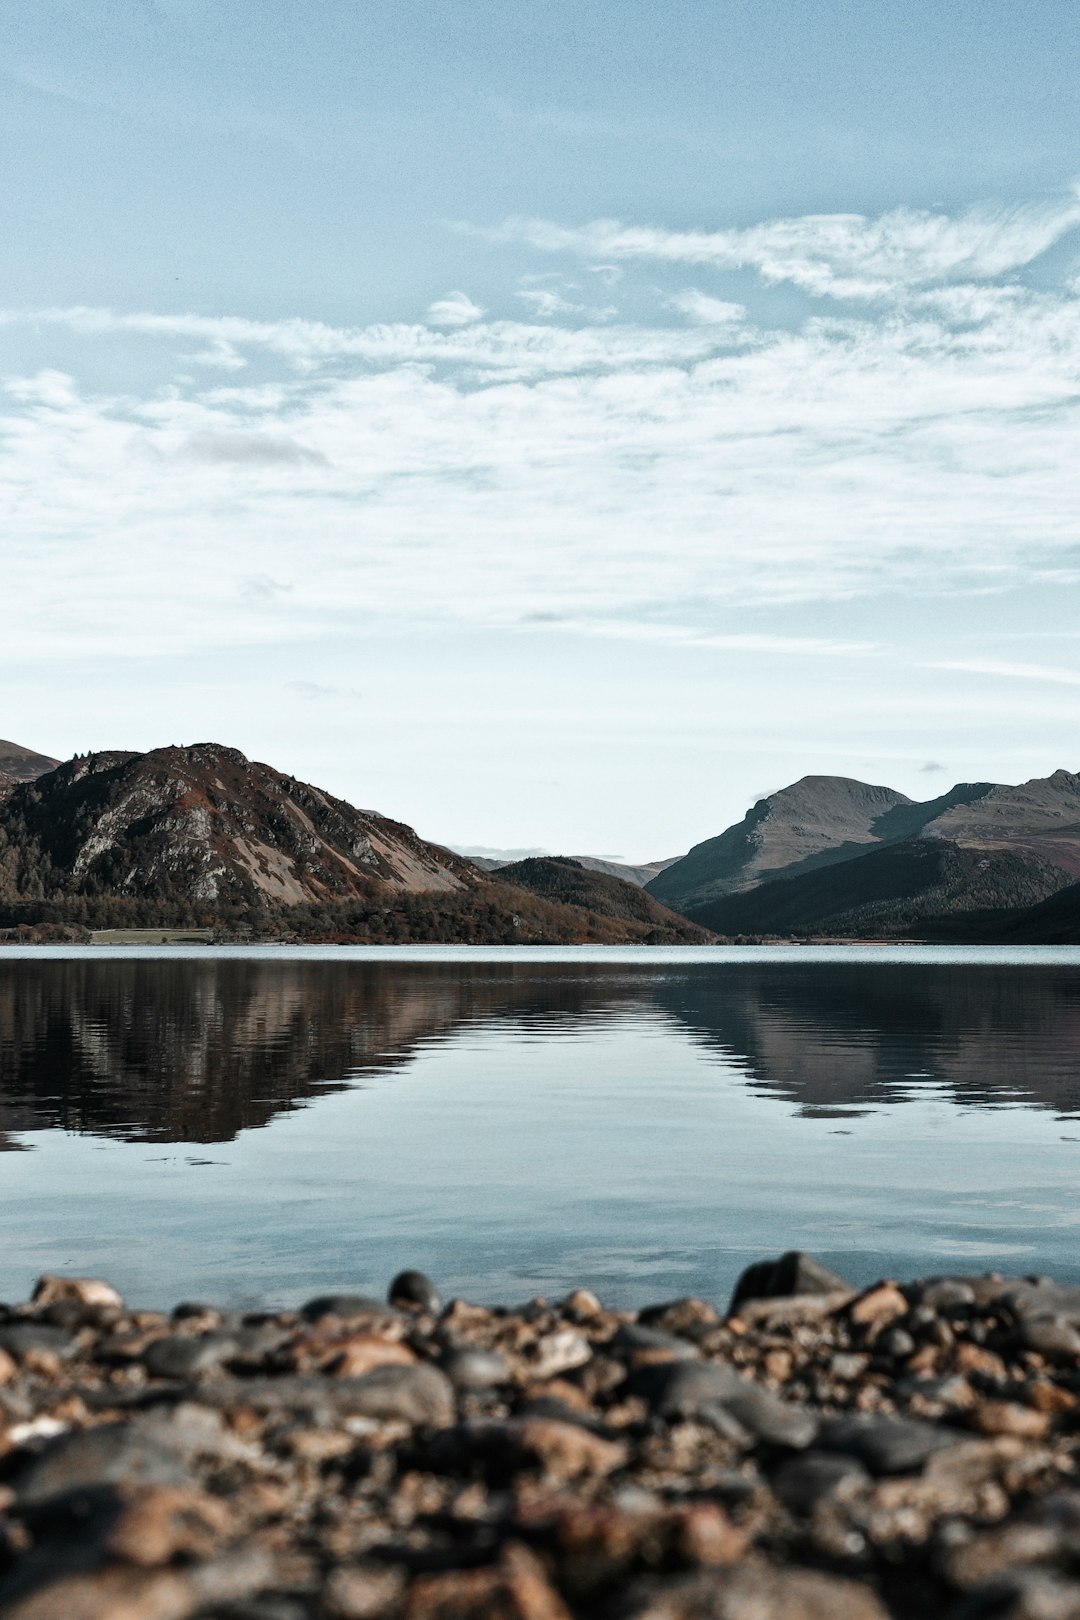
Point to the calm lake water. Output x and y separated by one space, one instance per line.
259 1125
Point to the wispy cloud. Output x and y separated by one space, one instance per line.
838 255
1052 673
456 309
596 475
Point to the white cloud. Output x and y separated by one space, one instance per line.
456 309
629 480
838 255
706 311
1057 676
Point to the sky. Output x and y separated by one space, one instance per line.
552 426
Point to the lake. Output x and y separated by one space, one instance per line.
254 1126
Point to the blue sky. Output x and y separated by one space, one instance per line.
553 426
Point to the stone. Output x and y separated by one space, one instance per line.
802 1483
753 1592
792 1274
111 1453
516 1588
887 1445
157 1523
638 1345
9 1367
582 1305
1051 1336
52 1290
560 1352
21 1339
474 1369
1037 1595
367 1351
878 1306
944 1294
686 1388
183 1356
412 1290
1009 1417
777 1422
361 1592
895 1342
347 1306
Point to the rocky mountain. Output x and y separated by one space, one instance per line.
928 888
639 875
570 882
18 764
205 824
823 822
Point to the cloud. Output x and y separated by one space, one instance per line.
706 311
250 449
836 255
545 302
1008 671
639 481
317 691
931 768
456 309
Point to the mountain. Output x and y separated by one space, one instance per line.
827 822
202 836
818 819
1053 922
639 875
18 764
205 824
567 881
926 887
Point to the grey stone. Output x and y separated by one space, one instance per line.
887 1445
897 1343
20 1338
106 1455
779 1423
345 1305
632 1336
792 1273
683 1388
1052 1336
947 1293
181 1356
414 1290
475 1368
418 1395
803 1482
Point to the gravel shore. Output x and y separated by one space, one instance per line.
814 1452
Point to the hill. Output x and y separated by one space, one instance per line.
926 887
639 875
202 836
1052 922
203 823
569 882
18 764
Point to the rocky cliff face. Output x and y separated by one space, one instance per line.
18 764
828 821
204 823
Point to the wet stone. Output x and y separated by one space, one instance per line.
803 1483
632 1340
475 1369
110 1453
344 1305
1051 1336
793 1273
21 1339
414 1291
184 1357
887 1445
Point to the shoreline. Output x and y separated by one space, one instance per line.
810 1452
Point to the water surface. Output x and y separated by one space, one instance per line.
258 1125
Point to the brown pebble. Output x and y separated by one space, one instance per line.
516 1588
878 1306
1009 1417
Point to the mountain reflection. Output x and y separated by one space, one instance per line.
195 1051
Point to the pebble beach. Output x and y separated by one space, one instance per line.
804 1451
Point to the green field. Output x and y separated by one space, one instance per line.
151 936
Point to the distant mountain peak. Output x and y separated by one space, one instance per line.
18 764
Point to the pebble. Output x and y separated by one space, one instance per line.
909 1451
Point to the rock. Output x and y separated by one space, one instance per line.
1033 1596
367 1351
182 1356
361 1592
777 1422
9 1367
793 1273
560 1352
878 1306
679 1315
895 1342
514 1589
886 1445
753 1593
1009 1417
412 1290
803 1483
21 1339
943 1294
1052 1336
686 1388
51 1290
157 1523
112 1453
582 1305
640 1345
473 1369
346 1306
